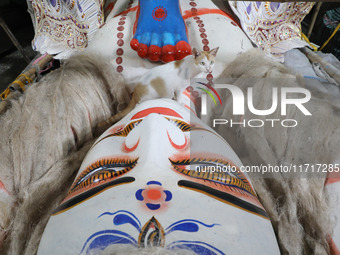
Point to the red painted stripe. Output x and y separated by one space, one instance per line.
2 187
333 247
177 146
109 7
159 110
332 177
189 108
331 180
127 149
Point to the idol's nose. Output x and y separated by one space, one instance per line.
157 138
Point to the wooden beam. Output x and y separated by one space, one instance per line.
14 40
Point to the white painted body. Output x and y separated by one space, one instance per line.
232 230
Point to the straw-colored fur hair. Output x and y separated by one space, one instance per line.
46 132
44 137
298 207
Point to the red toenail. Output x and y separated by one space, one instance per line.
134 44
142 50
168 53
154 53
182 49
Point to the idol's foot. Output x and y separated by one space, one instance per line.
160 32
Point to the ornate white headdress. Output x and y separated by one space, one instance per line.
65 25
274 27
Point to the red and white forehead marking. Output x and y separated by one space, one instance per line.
160 110
154 196
160 127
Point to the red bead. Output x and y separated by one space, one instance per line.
203 35
120 42
119 51
206 48
205 41
119 60
119 69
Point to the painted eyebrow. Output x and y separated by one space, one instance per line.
123 133
185 127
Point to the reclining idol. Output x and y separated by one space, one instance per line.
160 179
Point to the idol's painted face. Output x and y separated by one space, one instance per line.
160 177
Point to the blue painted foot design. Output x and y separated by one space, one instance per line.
160 31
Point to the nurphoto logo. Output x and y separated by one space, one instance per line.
279 97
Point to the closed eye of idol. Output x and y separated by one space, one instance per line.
111 169
215 171
96 178
102 171
220 179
